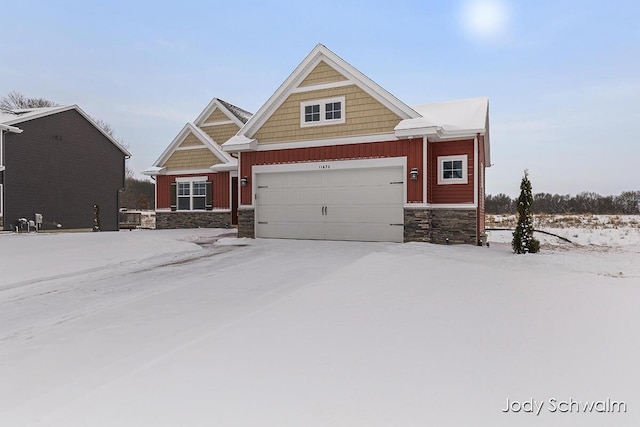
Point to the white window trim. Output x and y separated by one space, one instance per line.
190 180
465 170
1 200
323 121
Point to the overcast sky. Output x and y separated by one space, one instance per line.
563 77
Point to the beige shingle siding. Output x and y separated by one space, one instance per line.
364 116
323 73
221 133
191 141
191 159
217 116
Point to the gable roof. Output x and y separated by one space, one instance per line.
23 115
319 53
228 162
450 119
235 114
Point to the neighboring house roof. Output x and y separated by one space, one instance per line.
244 138
228 162
235 114
23 115
450 119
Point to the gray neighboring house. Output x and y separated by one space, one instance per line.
58 162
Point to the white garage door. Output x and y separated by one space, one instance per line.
364 204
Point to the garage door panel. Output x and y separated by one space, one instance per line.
388 194
292 213
361 204
285 196
292 230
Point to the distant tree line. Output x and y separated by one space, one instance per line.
626 203
137 193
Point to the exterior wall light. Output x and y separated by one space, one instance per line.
414 174
244 180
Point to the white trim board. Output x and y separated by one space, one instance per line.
383 137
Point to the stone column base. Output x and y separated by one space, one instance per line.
246 223
443 226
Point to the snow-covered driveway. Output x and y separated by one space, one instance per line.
169 328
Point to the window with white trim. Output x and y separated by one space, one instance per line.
452 170
320 112
191 193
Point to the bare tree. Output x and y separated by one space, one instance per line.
17 101
107 128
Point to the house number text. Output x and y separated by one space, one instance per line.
324 167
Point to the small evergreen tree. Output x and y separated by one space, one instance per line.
523 241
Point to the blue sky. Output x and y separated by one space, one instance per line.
563 77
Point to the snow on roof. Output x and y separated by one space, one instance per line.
242 115
240 143
450 119
453 116
24 114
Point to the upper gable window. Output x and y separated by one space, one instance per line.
452 170
322 112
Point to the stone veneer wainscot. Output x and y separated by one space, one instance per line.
438 225
206 219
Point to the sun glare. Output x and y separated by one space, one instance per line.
484 20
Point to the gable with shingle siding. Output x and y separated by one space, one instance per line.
217 116
221 133
322 73
364 115
191 141
191 159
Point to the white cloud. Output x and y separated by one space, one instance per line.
484 20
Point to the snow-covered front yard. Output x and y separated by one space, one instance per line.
178 328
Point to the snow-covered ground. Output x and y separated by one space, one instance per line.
595 231
178 328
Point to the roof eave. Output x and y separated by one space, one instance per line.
8 128
235 145
154 171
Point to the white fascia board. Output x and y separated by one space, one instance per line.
41 113
153 171
200 135
213 146
430 131
211 107
172 146
240 143
327 142
221 167
8 128
487 150
186 172
322 53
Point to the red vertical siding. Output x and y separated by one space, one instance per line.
410 148
220 185
450 193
